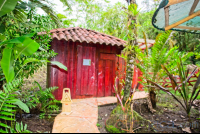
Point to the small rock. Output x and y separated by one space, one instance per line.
182 117
175 120
106 115
178 125
187 129
179 112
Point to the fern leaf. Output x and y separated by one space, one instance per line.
6 118
5 89
2 96
6 113
4 125
7 109
2 131
22 126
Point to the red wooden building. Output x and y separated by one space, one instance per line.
91 59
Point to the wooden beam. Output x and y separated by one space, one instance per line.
189 28
182 21
166 16
172 2
194 7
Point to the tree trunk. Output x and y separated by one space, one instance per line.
152 95
130 55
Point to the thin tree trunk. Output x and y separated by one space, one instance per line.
152 95
130 55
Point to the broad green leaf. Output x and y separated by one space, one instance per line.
22 127
27 47
7 6
25 126
7 63
20 39
60 65
30 60
22 105
17 127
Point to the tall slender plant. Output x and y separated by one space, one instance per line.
182 88
129 50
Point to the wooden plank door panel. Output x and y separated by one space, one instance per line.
79 69
108 78
86 74
92 74
84 79
106 74
101 78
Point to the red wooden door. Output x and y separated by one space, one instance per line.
86 71
106 75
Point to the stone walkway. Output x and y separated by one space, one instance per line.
84 115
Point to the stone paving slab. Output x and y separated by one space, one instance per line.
106 100
84 115
83 118
110 100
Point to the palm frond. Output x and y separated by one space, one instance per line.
47 9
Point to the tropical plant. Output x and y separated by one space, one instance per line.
22 9
41 100
8 103
47 99
13 50
19 128
183 88
150 61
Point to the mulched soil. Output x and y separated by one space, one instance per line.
104 113
169 117
37 125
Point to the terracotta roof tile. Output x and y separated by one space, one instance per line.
62 35
90 36
84 35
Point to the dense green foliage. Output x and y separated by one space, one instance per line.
23 51
150 61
